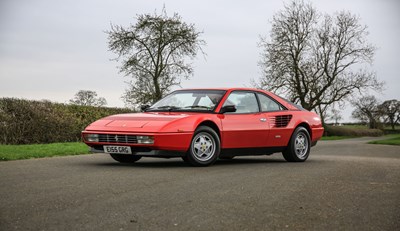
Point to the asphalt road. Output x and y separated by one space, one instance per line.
345 185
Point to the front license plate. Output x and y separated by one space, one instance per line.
117 149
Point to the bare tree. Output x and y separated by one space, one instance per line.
316 60
366 110
390 112
335 116
153 51
88 98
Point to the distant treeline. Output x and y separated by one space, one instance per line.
30 122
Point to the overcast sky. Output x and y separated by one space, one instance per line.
50 49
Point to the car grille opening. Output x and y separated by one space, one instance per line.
117 138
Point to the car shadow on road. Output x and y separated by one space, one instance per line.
249 160
178 163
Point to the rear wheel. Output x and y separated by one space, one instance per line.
204 148
125 158
299 146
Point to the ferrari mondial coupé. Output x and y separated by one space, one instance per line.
203 125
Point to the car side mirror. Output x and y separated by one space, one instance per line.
144 107
227 108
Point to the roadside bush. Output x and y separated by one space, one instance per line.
390 131
30 122
349 131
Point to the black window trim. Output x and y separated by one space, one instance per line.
259 104
300 108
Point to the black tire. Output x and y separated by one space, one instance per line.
299 146
204 148
125 158
185 159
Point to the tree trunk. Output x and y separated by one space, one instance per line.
157 95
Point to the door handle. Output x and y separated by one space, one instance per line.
263 120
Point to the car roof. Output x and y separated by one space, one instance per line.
223 89
287 104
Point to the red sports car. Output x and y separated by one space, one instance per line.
202 125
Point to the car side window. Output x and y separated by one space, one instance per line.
267 104
245 102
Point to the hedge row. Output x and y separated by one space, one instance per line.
346 131
30 122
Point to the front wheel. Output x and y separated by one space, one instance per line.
299 146
204 148
125 158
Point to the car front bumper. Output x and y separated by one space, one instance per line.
165 144
143 152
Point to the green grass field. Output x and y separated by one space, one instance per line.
18 152
390 140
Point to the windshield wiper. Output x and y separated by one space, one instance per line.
166 107
198 106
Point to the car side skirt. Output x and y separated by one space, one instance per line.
230 152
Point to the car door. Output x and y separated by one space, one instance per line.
278 120
247 127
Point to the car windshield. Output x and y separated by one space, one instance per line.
189 100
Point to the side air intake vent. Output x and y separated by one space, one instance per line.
280 121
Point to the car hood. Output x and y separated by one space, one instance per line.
138 122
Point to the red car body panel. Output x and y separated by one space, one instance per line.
173 131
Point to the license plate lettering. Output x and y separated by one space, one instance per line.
117 149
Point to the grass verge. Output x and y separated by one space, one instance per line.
390 140
336 137
18 152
